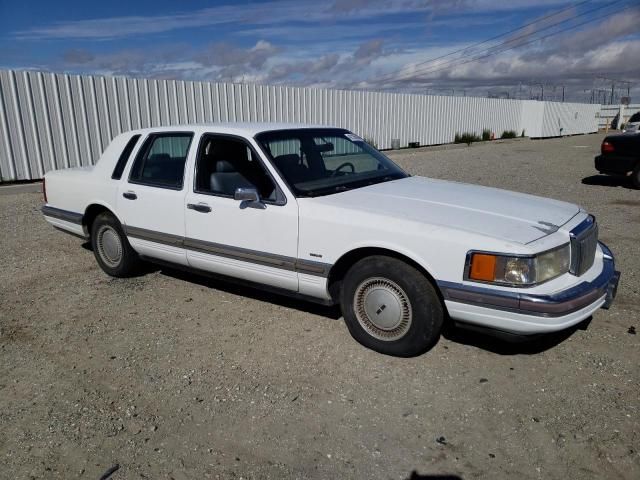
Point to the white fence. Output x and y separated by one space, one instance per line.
608 112
50 121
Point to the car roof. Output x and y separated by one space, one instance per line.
247 129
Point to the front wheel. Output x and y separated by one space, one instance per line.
111 248
391 307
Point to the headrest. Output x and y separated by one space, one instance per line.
287 159
225 166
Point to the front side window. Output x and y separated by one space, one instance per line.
161 160
322 161
225 164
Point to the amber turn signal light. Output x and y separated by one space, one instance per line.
483 267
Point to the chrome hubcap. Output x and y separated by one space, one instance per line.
109 246
382 308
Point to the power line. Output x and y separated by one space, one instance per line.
457 62
502 34
491 51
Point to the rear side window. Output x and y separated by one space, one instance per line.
124 157
160 162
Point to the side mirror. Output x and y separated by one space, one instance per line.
246 194
249 198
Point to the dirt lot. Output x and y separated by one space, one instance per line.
174 376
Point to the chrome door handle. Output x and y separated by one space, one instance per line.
199 207
129 195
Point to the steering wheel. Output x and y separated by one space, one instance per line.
345 164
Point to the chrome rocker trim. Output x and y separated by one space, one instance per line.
555 305
282 262
66 215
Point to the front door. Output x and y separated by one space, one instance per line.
151 200
254 241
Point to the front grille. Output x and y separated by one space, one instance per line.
584 241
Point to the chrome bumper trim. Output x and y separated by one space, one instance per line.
555 305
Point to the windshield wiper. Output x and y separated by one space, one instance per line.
386 178
326 191
349 186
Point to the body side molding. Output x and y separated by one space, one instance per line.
236 253
66 215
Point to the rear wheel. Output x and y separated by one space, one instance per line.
635 177
111 248
391 307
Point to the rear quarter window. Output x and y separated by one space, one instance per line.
124 157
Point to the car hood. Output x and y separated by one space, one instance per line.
502 214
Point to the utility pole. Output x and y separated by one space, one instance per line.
611 98
563 93
612 93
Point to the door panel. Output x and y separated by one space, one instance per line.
231 237
258 245
154 221
151 201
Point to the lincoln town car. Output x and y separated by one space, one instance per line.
318 213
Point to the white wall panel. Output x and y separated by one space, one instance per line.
608 112
50 121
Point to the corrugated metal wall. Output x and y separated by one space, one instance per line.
568 119
50 121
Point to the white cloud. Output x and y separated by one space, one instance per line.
324 51
269 13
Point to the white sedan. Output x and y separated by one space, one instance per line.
318 213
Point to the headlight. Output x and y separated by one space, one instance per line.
518 270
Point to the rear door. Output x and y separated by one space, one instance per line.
151 201
255 241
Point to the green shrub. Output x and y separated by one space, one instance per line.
486 134
466 137
509 134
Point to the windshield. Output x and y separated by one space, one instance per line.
321 161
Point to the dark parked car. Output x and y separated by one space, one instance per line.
633 125
620 155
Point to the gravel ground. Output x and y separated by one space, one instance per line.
173 376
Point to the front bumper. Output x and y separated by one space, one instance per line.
523 313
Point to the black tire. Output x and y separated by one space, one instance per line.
111 248
635 177
414 318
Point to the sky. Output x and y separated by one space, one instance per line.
425 46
